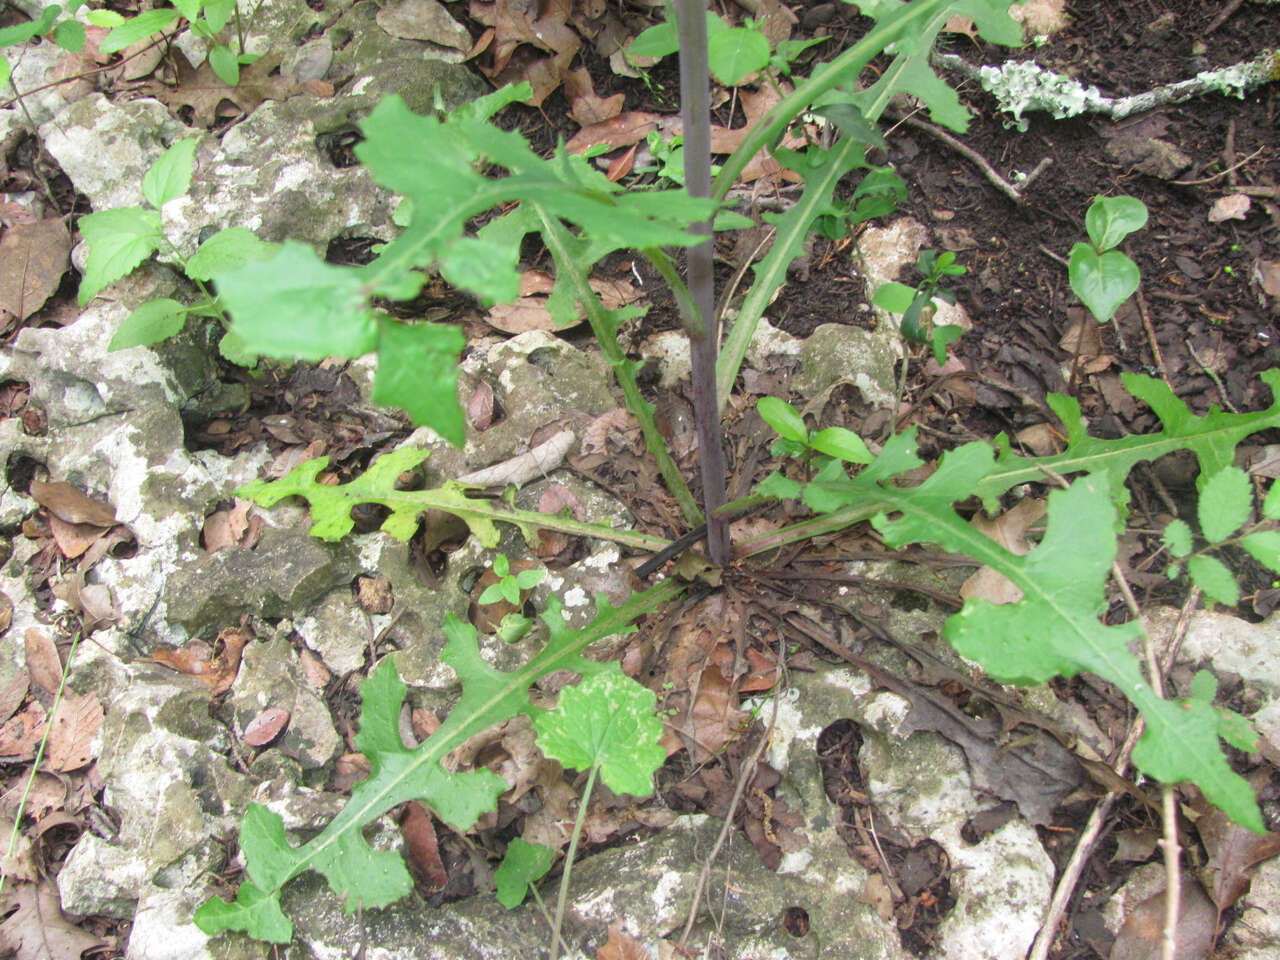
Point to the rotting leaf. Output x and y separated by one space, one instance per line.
1233 853
1140 936
621 945
43 663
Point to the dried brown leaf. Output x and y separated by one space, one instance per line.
423 20
1140 936
225 528
423 846
480 406
586 106
37 930
1010 531
620 945
43 663
35 256
67 503
266 726
75 723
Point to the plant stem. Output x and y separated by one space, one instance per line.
568 860
695 113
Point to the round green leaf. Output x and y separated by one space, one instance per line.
501 565
491 594
1212 576
894 296
1102 282
1110 219
523 864
1177 538
528 579
736 53
227 250
233 349
1264 546
606 721
784 419
842 444
656 42
69 35
1225 504
152 322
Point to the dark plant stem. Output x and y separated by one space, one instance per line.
695 112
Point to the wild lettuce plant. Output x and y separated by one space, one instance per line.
293 304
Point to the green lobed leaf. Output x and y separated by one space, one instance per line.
1177 538
1212 576
296 305
152 322
418 372
606 721
1110 219
523 864
1236 730
227 250
372 878
1226 501
736 53
118 241
137 28
1102 281
1264 546
170 176
1055 629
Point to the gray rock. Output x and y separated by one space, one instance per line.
287 572
270 676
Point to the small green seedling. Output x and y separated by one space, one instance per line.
915 304
1224 508
1101 276
796 440
121 239
510 586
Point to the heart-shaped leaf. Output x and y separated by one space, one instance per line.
1102 282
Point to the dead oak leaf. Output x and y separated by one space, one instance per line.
621 945
37 930
204 92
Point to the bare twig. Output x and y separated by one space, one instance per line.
1151 338
1223 16
1226 400
978 160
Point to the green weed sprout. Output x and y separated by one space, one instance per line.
512 588
915 304
121 239
1223 510
1100 275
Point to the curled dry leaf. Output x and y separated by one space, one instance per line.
67 503
265 727
375 595
480 406
74 539
43 663
621 945
1232 207
225 528
423 846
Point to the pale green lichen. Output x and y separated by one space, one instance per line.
1021 85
